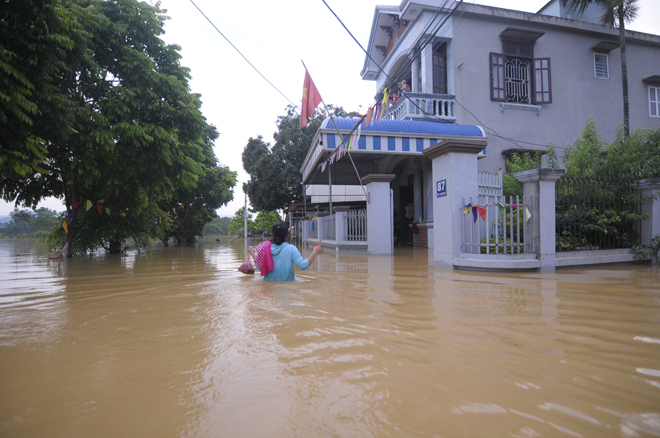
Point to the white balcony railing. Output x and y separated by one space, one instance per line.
424 106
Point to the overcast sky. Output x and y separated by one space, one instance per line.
275 36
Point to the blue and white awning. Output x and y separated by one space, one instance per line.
400 137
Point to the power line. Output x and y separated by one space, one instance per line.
239 52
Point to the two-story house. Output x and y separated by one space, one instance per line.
523 79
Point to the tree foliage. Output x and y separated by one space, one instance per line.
27 222
237 223
274 170
114 122
265 220
633 158
217 227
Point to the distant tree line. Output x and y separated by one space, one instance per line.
97 111
28 223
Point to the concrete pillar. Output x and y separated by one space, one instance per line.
651 226
380 229
455 176
340 214
427 69
414 86
417 193
540 183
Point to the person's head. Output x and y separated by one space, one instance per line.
280 231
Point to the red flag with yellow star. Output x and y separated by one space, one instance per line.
311 99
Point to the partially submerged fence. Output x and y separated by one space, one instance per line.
355 225
494 226
596 213
343 226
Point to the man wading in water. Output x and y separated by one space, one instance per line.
275 257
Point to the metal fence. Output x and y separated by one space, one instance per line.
355 225
596 213
495 226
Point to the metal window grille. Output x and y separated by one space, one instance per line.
517 80
506 229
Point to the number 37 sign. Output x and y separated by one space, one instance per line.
441 188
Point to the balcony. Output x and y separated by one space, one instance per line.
438 107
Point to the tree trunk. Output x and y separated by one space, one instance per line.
114 247
166 241
624 74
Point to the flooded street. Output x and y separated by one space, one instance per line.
175 342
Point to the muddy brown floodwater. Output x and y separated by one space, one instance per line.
175 342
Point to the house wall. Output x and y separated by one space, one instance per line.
576 93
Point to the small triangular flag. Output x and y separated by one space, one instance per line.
99 208
528 215
89 205
66 227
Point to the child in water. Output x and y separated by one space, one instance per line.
284 255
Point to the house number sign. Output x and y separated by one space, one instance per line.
441 188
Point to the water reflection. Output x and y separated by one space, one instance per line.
176 342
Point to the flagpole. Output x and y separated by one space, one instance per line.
366 196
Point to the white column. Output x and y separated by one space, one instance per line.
417 192
427 69
455 173
414 87
540 183
379 214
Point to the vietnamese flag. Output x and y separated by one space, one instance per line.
311 99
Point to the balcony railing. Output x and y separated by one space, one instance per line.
418 106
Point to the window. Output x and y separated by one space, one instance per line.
601 70
440 69
517 77
654 101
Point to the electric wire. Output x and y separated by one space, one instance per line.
239 52
367 53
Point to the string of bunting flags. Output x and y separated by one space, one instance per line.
480 210
375 113
100 209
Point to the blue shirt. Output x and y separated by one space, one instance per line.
284 257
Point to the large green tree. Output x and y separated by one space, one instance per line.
617 12
118 126
274 170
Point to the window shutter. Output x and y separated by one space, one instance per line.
497 90
542 81
600 66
